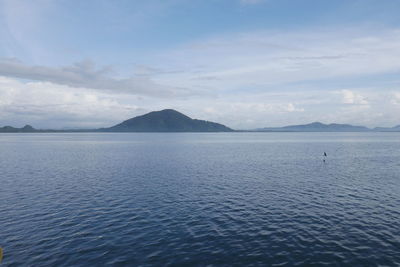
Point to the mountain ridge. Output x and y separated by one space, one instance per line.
316 127
388 129
169 120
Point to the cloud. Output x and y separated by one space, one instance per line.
245 81
292 108
48 105
86 75
350 97
272 59
395 98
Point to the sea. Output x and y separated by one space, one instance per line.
200 199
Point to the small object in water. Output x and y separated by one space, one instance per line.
325 155
1 254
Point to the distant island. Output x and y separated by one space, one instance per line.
317 127
25 129
169 120
321 127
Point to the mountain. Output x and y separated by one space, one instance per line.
25 129
317 127
387 129
167 120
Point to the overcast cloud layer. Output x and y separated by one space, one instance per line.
257 74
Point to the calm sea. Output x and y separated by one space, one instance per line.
226 199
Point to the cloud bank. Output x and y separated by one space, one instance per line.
85 75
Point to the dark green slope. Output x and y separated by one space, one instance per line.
167 120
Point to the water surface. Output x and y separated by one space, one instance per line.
226 199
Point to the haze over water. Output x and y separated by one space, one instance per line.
227 199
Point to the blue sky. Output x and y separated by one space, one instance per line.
244 63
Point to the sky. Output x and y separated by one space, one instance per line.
244 63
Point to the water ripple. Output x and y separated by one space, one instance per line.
200 200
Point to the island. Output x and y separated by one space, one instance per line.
170 120
167 120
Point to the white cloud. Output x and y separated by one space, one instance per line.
85 74
45 104
350 97
292 108
395 98
48 105
269 58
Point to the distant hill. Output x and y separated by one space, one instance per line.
25 129
167 120
387 129
317 127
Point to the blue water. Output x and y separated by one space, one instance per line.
226 199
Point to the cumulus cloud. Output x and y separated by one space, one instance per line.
395 98
49 105
292 108
45 104
350 97
86 75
